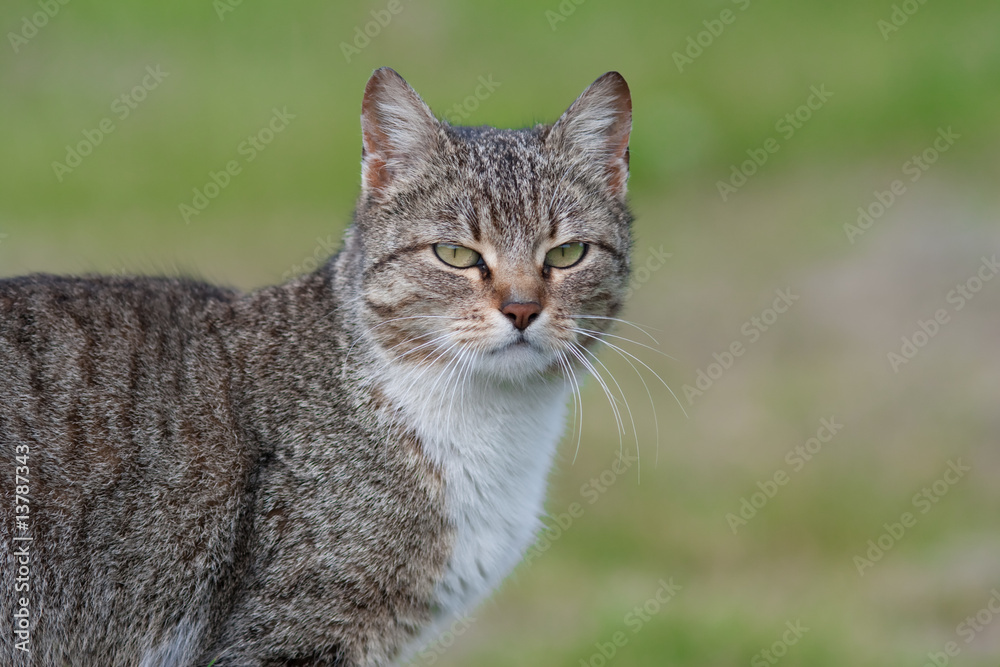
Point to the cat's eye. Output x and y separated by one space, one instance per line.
565 255
455 255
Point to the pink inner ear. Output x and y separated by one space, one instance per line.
618 173
373 173
618 154
373 141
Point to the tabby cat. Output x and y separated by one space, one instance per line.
329 471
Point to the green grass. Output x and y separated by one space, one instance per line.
826 357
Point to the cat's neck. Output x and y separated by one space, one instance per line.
452 413
494 442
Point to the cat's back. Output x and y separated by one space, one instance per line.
43 317
115 393
45 299
84 360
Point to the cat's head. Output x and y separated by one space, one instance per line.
490 250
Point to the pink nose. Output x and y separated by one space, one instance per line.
521 314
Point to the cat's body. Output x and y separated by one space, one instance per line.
321 472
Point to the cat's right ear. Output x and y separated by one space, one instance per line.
398 131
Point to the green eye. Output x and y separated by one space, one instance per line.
455 255
566 255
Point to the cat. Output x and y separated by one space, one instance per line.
331 470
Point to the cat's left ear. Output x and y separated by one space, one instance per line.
596 128
398 131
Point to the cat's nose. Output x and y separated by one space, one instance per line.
521 314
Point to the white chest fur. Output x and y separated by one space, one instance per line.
495 444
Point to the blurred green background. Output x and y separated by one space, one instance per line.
888 93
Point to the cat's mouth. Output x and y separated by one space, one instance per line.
519 343
511 347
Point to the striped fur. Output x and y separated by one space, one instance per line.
324 471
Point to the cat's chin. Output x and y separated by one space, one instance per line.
518 361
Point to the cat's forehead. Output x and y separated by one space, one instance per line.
502 177
499 157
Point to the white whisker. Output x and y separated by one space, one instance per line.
655 374
382 324
628 409
417 374
617 319
445 372
607 392
624 338
577 401
418 347
652 403
465 362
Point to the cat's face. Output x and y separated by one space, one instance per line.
491 251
